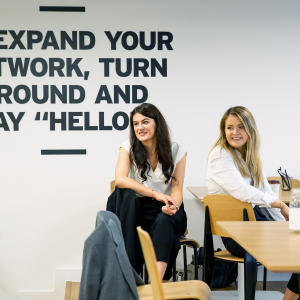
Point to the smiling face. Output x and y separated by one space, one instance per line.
144 128
236 134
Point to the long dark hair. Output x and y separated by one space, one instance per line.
138 153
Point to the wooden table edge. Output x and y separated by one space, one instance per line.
199 198
257 257
286 201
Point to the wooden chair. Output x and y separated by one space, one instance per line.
192 289
187 242
112 186
72 290
226 208
184 241
295 182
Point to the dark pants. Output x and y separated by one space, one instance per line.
164 230
293 284
235 249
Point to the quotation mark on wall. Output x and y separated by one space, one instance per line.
38 116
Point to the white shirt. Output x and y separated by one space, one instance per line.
156 179
224 177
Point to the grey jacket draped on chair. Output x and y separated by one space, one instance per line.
107 273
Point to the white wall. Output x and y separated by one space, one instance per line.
225 53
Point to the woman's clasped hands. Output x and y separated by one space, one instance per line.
170 208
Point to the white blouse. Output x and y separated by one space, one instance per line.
156 179
224 177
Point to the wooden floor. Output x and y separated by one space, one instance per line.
279 286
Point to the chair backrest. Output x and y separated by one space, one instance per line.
151 263
112 186
226 208
295 182
72 290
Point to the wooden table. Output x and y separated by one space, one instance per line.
201 191
285 196
198 191
270 243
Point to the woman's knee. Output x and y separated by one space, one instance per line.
162 220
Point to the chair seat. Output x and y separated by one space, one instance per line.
192 289
186 240
225 255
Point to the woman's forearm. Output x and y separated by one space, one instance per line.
285 211
128 183
277 204
177 184
145 191
177 196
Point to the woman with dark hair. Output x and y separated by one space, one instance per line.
153 166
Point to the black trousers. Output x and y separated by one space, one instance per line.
235 249
164 230
293 284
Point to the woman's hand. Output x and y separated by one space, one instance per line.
285 211
170 210
168 200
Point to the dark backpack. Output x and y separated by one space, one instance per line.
225 272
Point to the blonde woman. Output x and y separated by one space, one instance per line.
234 167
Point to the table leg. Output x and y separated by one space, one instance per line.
241 281
250 276
265 279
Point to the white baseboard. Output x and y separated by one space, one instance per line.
233 295
58 291
63 275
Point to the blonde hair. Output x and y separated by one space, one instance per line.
253 165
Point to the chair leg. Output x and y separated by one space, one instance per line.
250 274
195 261
265 279
174 271
184 262
146 275
208 259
